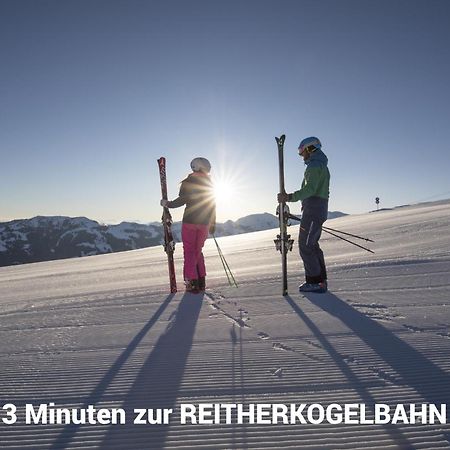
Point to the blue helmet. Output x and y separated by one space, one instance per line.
310 143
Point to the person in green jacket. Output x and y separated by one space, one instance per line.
313 194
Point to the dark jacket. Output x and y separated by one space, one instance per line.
197 193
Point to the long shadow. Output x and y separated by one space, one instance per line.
413 369
354 382
158 382
69 431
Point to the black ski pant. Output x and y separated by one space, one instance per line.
310 251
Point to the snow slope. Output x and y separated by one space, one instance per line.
103 330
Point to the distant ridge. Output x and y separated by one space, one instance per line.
46 238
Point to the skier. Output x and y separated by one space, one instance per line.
199 218
313 194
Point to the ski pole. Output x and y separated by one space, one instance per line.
350 242
347 234
224 262
291 216
225 265
327 230
222 259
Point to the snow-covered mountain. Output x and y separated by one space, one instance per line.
48 238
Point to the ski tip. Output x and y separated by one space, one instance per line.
280 140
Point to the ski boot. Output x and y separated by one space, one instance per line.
202 284
318 288
192 286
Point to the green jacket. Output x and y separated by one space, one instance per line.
316 181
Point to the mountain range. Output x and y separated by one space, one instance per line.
45 238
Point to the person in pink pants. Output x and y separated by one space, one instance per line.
194 236
199 219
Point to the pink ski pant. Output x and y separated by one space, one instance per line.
194 236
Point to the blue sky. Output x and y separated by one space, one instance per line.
93 92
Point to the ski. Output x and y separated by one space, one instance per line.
283 242
169 243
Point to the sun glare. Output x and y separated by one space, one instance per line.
223 191
229 186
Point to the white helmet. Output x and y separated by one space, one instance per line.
200 165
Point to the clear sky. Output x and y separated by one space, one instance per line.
93 92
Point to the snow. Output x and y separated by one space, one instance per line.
36 222
126 230
257 220
103 330
100 241
19 236
10 237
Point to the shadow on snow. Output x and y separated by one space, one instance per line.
158 382
400 356
69 431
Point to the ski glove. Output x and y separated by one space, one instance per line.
212 229
284 197
164 202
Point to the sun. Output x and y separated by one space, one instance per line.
229 185
223 191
